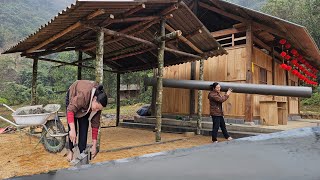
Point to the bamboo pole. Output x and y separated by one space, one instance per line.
159 82
34 82
199 126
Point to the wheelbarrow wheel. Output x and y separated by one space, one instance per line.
53 144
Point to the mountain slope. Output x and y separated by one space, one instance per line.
20 18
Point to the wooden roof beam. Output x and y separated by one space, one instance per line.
118 34
225 32
244 20
185 40
147 24
78 37
65 31
45 52
134 19
164 13
71 64
134 10
261 43
128 55
81 61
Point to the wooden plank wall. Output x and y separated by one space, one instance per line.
293 101
228 68
176 101
260 60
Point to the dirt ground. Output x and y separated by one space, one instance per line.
20 157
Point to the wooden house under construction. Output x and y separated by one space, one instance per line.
251 39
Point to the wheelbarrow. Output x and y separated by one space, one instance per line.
53 135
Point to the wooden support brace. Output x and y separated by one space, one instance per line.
185 40
172 35
65 31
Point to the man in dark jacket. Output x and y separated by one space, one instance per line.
216 111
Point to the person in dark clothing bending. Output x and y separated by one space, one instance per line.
216 112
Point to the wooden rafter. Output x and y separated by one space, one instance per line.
134 19
46 52
198 31
134 10
65 31
118 34
226 32
79 61
185 40
128 55
71 64
164 13
78 37
104 23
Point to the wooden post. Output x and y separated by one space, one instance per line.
154 95
34 82
249 50
99 57
273 69
80 64
192 92
118 99
199 127
159 81
288 98
99 68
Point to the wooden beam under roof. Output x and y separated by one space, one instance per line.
118 34
81 36
104 23
134 19
71 64
65 31
165 13
185 40
225 32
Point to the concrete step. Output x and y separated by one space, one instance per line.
181 129
205 125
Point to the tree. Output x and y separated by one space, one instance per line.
303 12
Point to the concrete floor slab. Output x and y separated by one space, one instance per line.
293 154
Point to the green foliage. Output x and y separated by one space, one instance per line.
302 12
253 4
313 101
3 101
16 93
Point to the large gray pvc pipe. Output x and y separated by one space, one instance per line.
291 91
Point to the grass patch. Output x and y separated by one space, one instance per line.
128 110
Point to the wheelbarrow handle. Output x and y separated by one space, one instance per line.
8 107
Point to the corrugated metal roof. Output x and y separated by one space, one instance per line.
82 38
297 35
